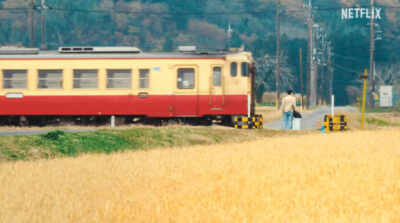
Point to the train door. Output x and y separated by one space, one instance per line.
186 91
216 97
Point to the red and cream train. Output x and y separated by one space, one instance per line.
95 83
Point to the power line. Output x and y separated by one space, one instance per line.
218 12
346 69
146 12
14 9
348 57
353 58
340 8
185 12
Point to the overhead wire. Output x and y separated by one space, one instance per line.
348 57
146 12
189 13
345 68
13 9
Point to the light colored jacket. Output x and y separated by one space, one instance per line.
288 103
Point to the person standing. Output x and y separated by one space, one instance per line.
288 106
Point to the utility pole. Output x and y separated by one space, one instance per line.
322 73
321 83
371 57
31 24
309 58
43 7
301 76
229 32
330 71
314 68
278 55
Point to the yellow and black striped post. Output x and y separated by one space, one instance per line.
335 123
252 122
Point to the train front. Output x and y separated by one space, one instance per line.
243 81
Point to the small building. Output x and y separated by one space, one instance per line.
386 96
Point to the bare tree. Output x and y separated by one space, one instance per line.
266 74
387 74
353 94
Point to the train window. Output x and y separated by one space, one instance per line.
14 79
245 69
233 69
185 78
119 79
50 79
86 79
217 76
144 78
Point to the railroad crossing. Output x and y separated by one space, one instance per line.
309 121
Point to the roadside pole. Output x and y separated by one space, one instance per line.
332 105
31 38
371 58
278 55
301 77
43 8
364 77
309 57
112 121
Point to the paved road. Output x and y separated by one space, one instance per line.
309 121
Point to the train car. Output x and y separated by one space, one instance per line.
96 83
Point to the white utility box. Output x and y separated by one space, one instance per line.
385 96
296 123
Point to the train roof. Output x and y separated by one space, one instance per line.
106 52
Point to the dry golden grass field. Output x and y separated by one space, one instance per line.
340 177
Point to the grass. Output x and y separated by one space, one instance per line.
74 143
339 177
377 109
63 144
373 121
379 122
382 110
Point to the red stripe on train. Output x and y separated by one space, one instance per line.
151 106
